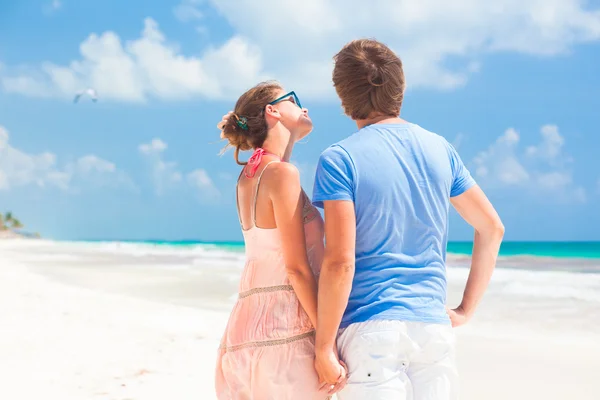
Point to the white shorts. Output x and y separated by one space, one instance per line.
398 360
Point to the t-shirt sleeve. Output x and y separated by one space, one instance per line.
461 177
334 179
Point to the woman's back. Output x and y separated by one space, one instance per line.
267 324
267 350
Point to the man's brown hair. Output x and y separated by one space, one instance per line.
369 79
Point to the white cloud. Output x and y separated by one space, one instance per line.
21 169
18 168
142 68
499 162
442 44
51 7
92 163
460 137
554 180
543 168
188 10
199 178
156 146
551 146
226 176
166 174
3 180
204 185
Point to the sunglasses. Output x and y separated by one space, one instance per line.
291 96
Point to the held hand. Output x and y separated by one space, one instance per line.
333 373
457 316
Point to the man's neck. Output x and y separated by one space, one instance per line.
382 119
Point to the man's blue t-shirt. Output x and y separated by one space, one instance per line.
400 178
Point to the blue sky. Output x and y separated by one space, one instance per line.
514 85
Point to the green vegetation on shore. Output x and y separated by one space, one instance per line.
8 221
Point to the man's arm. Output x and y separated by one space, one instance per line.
335 283
477 210
337 270
334 192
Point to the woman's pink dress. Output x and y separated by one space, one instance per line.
267 350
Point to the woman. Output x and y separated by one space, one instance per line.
267 351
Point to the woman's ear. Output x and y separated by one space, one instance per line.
272 112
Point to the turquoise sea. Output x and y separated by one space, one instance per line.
586 250
537 249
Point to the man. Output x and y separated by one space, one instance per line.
386 192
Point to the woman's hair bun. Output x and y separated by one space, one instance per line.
235 134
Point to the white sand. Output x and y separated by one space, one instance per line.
61 342
64 341
9 234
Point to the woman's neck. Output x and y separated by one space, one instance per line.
279 143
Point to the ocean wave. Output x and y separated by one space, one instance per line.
144 249
533 263
560 285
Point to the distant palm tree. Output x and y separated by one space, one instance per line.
9 222
16 224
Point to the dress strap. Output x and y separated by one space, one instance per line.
253 209
237 199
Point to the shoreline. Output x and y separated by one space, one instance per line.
94 324
10 235
86 331
454 260
590 255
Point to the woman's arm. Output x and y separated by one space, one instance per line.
286 195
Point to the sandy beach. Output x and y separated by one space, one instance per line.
123 322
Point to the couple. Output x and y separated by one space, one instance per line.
378 326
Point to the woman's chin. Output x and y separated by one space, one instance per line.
305 133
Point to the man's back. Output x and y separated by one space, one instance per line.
400 178
386 193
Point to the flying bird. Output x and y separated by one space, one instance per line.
90 92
